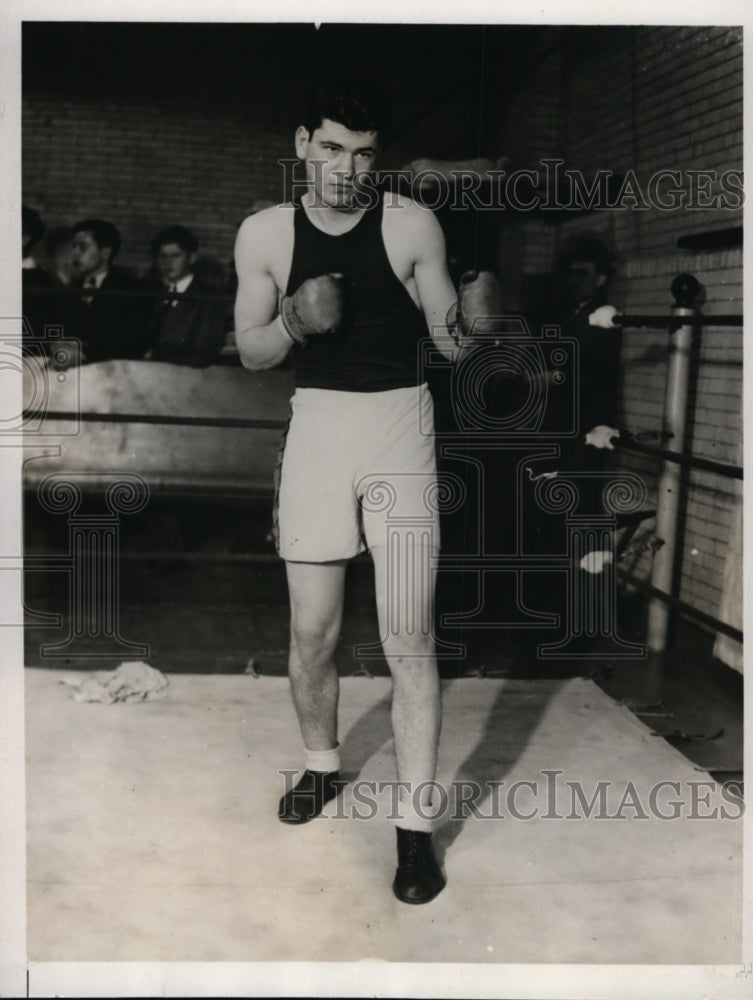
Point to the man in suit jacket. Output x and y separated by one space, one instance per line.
183 330
108 326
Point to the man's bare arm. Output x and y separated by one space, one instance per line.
453 317
433 282
260 334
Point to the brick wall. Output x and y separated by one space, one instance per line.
123 146
659 99
649 99
715 413
146 165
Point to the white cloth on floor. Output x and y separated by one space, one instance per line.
132 681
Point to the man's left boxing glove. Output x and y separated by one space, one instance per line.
478 306
315 307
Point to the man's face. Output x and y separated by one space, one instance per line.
173 262
583 279
87 256
337 161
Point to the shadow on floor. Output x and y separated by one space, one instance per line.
492 757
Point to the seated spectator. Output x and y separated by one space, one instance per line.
108 326
183 329
585 271
36 283
586 399
59 249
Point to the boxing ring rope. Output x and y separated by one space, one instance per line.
147 294
156 418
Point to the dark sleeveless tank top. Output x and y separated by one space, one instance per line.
377 345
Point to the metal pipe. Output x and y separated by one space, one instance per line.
685 289
687 461
710 621
655 319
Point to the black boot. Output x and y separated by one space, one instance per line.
309 796
418 878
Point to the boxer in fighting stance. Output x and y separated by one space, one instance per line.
350 284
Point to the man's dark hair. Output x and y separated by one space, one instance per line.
358 104
103 233
57 238
33 227
589 248
175 234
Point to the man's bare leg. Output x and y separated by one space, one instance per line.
316 601
405 612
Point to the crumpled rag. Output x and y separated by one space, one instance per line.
132 681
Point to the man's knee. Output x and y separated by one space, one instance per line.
314 642
410 652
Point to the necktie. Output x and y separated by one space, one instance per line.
90 282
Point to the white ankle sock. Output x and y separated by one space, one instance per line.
323 760
410 818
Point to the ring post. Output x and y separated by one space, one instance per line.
685 290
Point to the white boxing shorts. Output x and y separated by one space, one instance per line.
354 466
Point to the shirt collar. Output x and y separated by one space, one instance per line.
185 281
95 280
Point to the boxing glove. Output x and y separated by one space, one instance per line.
479 304
315 307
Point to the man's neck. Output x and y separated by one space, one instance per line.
330 218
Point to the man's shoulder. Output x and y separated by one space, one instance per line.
151 281
408 219
263 236
199 283
268 220
120 277
37 277
395 201
201 286
401 209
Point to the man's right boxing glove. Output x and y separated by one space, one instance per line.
316 306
